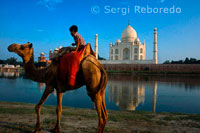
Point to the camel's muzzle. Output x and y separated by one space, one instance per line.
12 47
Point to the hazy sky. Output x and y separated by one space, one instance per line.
45 23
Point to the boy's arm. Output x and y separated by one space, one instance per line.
77 45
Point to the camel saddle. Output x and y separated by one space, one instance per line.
69 64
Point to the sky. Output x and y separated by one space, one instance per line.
46 24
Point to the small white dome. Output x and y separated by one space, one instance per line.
137 40
118 41
129 34
42 53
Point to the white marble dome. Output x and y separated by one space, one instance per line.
129 34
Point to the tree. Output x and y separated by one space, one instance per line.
187 61
11 61
2 61
167 62
101 58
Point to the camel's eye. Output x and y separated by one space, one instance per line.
22 47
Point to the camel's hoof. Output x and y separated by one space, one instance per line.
37 130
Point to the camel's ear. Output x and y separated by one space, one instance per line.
30 45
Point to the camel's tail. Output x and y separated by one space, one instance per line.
104 79
104 76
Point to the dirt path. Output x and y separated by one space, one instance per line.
21 117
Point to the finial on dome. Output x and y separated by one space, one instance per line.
128 22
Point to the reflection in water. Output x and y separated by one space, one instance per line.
41 87
128 95
154 96
9 75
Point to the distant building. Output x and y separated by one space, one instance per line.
42 58
42 62
9 66
17 66
52 54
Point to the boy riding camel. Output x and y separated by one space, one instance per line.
79 41
69 62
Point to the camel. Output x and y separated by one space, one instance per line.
91 73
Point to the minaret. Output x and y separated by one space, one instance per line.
110 51
155 56
96 45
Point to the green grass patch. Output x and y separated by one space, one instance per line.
162 123
48 121
171 118
192 117
131 116
19 111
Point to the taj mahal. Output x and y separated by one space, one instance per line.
130 50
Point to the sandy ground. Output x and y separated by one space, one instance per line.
21 117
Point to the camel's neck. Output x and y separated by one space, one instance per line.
33 73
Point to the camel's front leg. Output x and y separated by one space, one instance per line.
59 111
39 106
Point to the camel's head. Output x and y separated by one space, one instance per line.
23 50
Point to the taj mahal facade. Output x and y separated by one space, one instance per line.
130 50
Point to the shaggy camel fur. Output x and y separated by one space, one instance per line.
91 73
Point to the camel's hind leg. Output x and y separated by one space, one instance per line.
38 107
104 107
96 80
101 110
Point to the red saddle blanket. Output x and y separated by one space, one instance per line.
69 66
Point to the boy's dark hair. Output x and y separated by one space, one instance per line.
73 28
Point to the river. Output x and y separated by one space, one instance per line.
123 92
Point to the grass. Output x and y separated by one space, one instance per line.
48 121
192 117
21 118
19 111
137 116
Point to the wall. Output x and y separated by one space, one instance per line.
187 68
127 62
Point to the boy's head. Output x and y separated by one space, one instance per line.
73 29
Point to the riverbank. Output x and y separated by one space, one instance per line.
155 69
161 73
21 117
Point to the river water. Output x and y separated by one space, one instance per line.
123 92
